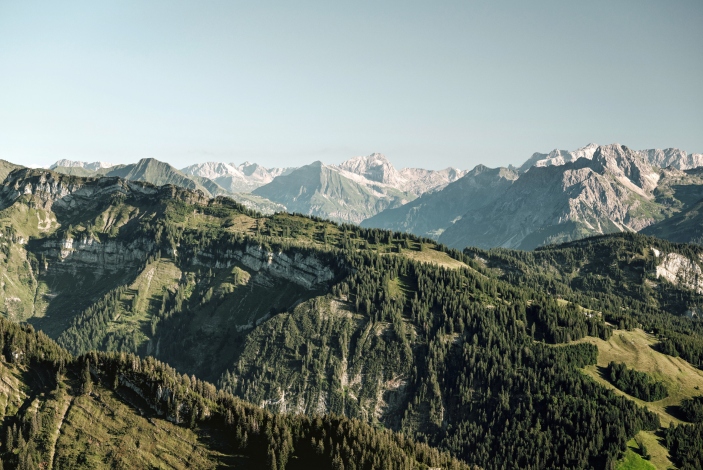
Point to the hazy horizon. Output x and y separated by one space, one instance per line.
428 85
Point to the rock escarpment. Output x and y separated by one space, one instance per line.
680 271
305 270
611 192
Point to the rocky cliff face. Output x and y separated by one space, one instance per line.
611 192
376 168
628 167
307 271
673 157
680 271
108 256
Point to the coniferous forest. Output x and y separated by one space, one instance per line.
165 320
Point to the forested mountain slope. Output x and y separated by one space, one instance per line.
121 411
639 280
297 314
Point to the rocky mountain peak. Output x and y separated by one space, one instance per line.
673 157
211 170
374 167
249 169
147 162
478 169
627 165
558 157
585 152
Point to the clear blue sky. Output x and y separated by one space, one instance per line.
429 84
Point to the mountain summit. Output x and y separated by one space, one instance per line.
234 178
612 192
374 167
324 191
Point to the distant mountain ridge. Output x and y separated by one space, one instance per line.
377 168
612 192
159 173
354 190
322 190
94 166
242 178
557 196
432 212
662 158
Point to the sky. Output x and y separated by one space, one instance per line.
429 84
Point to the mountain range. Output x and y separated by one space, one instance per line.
553 198
558 196
476 354
609 193
350 192
241 178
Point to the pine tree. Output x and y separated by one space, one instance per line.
271 459
86 382
9 439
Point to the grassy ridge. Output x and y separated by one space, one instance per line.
635 349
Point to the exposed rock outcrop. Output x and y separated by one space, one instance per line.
108 256
58 192
673 157
305 270
612 192
680 271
